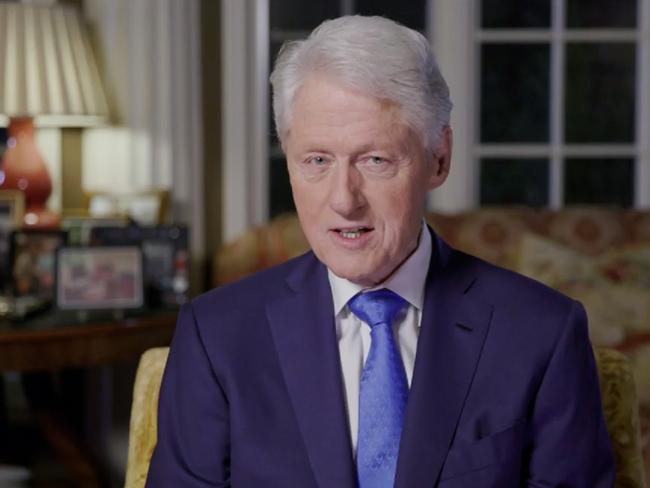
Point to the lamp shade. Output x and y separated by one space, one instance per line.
47 67
48 75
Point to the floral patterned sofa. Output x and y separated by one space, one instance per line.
598 255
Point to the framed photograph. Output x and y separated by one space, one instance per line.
79 228
3 141
33 262
99 278
165 259
12 209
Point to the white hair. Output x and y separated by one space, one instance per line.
374 55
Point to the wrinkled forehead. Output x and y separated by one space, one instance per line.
322 94
333 119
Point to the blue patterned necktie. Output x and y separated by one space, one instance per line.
383 391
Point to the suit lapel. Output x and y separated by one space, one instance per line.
303 329
452 334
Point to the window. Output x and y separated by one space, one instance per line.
551 99
560 102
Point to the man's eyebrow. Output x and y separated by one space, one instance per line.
316 148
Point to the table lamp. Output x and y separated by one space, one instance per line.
48 76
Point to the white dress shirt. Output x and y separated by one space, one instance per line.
354 335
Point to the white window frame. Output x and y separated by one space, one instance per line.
244 54
456 38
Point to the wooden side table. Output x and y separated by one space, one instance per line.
61 340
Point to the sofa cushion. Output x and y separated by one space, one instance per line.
617 298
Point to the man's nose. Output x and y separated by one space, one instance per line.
346 195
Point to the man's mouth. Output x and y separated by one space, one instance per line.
353 232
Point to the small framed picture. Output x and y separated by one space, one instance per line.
165 259
12 209
99 278
33 262
79 228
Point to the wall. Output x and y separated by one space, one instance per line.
150 54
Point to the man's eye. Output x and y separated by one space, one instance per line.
317 160
373 165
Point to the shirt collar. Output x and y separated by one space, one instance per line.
407 281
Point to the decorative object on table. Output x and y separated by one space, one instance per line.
147 207
12 205
99 278
33 262
24 169
79 228
52 78
17 309
6 306
166 259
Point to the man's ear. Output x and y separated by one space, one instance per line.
441 159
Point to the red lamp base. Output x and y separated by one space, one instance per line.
42 218
23 168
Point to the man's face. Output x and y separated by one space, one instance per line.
359 177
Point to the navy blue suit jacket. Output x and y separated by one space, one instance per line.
504 391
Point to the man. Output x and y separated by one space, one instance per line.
384 357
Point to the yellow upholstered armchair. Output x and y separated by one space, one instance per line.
616 383
621 410
144 415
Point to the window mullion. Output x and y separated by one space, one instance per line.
642 163
556 190
450 23
348 7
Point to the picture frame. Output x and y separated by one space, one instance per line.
4 135
166 263
146 207
33 262
79 228
103 277
12 210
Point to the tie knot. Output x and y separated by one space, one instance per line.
376 307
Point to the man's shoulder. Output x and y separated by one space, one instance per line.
253 291
526 317
509 289
492 283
